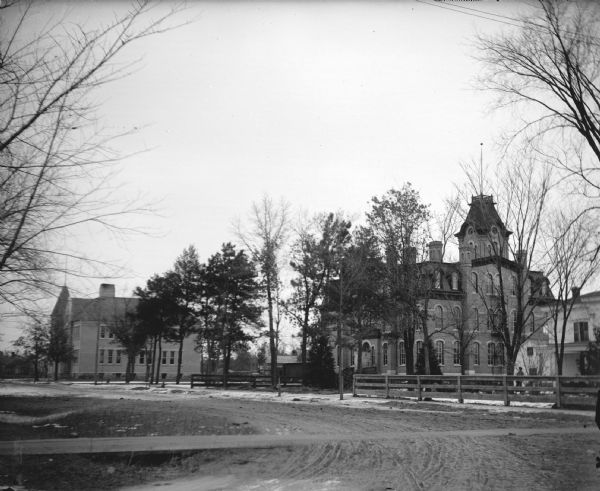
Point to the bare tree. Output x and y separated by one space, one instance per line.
510 287
55 159
549 70
264 239
447 222
573 261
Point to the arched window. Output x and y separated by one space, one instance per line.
475 319
401 353
437 281
455 281
439 317
491 354
496 249
500 354
514 286
419 348
373 356
439 352
475 350
384 349
456 352
475 282
457 317
490 284
513 317
489 248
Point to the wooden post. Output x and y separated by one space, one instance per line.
387 386
279 386
459 383
557 392
354 386
506 401
419 397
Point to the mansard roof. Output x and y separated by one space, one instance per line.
482 217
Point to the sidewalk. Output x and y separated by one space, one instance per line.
149 444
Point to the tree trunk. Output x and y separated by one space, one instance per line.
272 345
179 360
153 364
159 359
409 343
36 374
305 334
56 370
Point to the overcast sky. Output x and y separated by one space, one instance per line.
326 104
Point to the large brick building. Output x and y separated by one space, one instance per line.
89 321
462 302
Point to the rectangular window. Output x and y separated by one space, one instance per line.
529 351
164 358
142 357
101 357
102 331
75 356
476 354
580 331
456 353
110 334
491 353
439 352
172 358
75 332
118 356
110 356
401 354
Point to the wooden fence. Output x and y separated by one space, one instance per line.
237 380
561 391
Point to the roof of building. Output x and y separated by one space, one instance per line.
102 308
482 216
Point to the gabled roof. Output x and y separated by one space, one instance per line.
102 308
482 217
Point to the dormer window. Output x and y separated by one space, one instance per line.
494 230
470 230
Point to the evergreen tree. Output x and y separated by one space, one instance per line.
320 360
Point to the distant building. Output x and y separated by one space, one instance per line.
463 297
583 319
89 322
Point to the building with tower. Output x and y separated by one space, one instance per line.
466 305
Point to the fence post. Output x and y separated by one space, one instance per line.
419 397
504 380
354 385
460 397
557 392
387 386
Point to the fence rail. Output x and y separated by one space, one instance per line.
239 380
561 391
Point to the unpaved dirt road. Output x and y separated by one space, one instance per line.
439 446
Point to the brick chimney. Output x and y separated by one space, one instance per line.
107 290
435 251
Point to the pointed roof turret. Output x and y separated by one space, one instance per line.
482 217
